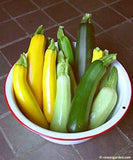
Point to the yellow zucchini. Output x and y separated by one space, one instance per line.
35 58
49 80
25 98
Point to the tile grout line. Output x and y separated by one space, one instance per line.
124 135
43 9
48 16
61 156
20 26
28 35
56 21
81 158
7 140
74 7
25 14
112 27
34 4
115 26
122 150
14 41
21 15
32 149
51 27
5 21
97 9
97 24
110 6
51 5
117 40
107 4
5 58
5 115
70 34
120 14
70 19
64 21
60 23
14 19
105 31
3 76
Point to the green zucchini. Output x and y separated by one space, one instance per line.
65 44
84 46
105 101
72 80
82 100
63 97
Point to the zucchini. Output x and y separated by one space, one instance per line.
70 72
72 80
82 100
65 44
105 101
84 46
63 98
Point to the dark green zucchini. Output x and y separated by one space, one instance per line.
82 100
85 45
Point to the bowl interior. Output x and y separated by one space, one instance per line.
124 93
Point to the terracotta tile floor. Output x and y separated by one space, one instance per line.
113 22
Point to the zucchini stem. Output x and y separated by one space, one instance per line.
63 64
86 18
98 49
61 57
22 60
106 52
62 68
60 32
52 44
42 32
108 59
39 30
112 79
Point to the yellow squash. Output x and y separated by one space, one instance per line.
25 98
49 80
35 57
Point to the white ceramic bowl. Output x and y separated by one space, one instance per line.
124 91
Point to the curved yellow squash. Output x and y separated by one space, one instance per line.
25 98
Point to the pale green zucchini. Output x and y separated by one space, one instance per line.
63 98
105 101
